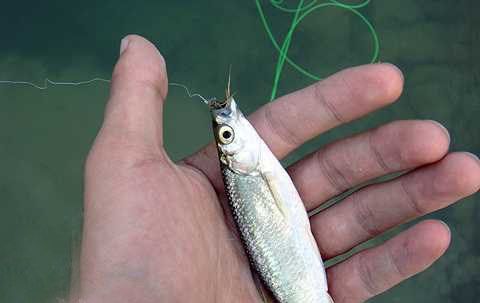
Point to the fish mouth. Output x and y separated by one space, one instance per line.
221 108
216 105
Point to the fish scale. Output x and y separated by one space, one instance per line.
269 215
269 242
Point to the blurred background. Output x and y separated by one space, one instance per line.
45 135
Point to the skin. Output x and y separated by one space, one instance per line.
156 231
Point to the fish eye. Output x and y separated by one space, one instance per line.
225 134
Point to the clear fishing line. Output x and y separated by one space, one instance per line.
299 14
47 83
302 11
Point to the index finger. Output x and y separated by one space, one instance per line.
291 120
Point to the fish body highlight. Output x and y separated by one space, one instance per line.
269 214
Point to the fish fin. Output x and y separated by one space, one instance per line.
229 92
277 197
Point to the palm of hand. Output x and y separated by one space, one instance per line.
171 241
156 231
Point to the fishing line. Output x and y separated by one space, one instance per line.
48 83
192 95
299 14
302 11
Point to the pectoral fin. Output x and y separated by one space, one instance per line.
277 196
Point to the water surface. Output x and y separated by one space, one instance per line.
45 135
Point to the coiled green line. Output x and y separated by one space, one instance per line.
299 14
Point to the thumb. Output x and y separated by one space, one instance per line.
133 117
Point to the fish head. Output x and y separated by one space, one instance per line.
237 141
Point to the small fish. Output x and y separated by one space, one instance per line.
268 211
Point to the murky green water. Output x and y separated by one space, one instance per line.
45 135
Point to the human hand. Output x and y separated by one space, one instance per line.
157 231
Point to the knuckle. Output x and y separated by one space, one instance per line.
398 257
410 198
277 127
333 174
326 103
377 155
365 217
151 78
367 276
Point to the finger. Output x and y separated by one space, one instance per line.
394 147
295 118
133 116
380 207
375 270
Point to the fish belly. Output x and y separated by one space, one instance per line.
276 249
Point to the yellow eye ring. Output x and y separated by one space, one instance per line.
226 134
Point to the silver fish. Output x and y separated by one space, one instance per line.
268 211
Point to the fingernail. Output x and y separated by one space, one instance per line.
445 130
472 155
446 227
124 45
400 72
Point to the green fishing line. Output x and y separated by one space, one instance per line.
299 14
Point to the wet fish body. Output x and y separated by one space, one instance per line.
267 209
